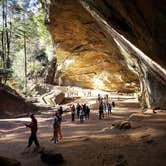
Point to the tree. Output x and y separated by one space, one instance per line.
24 34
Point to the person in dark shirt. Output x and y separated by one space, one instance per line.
60 111
109 106
87 112
56 127
101 113
33 127
78 108
113 104
73 113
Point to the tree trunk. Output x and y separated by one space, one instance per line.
25 63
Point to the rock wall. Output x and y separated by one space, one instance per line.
121 15
142 22
86 56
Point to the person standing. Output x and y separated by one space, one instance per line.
99 98
87 112
60 110
81 115
73 113
104 107
56 125
84 109
59 132
106 97
113 104
33 126
101 113
78 108
59 115
109 106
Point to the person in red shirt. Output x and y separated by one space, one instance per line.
33 127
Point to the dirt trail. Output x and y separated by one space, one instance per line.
93 142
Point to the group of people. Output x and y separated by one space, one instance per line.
57 134
104 106
82 111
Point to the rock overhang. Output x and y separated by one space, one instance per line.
86 55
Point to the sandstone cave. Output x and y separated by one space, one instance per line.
107 54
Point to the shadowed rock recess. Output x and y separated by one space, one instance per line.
12 104
91 51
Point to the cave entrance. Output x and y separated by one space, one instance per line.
91 54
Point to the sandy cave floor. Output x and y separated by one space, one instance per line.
93 143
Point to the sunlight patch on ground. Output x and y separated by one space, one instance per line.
15 120
11 130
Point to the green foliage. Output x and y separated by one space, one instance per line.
24 23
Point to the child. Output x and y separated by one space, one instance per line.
55 128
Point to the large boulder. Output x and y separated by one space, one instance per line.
12 104
86 56
101 51
54 97
138 27
5 161
121 125
59 98
48 94
52 158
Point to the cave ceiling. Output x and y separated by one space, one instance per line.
86 55
142 22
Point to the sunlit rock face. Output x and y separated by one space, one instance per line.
142 28
86 56
140 21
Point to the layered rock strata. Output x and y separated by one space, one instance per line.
149 67
86 56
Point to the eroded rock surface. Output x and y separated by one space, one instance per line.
137 22
53 97
141 22
12 104
86 56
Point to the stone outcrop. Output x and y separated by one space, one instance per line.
121 125
5 161
48 94
86 56
52 158
138 22
53 97
12 104
141 22
90 45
